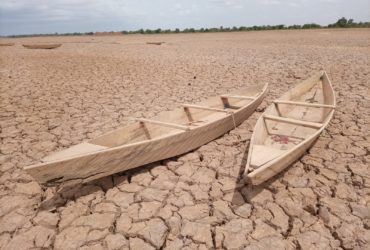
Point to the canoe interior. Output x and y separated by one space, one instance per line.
138 132
273 139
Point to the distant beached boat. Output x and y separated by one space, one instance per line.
155 43
41 46
289 127
6 44
148 140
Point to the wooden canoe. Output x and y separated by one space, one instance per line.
6 44
42 46
288 127
169 134
155 43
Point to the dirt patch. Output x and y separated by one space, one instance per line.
52 99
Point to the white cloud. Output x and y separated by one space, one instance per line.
72 9
33 16
229 3
292 3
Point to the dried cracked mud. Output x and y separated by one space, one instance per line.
52 99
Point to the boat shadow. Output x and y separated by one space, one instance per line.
64 194
61 195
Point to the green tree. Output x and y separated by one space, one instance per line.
295 26
342 22
350 22
311 26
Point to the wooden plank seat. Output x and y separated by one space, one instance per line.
263 154
187 106
305 104
165 124
237 97
293 121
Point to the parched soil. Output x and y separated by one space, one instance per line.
52 99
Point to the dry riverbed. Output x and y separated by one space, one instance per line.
52 99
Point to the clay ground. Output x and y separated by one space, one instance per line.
52 99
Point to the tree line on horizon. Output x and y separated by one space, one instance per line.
341 23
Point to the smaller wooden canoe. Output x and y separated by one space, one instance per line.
42 46
289 127
6 44
155 43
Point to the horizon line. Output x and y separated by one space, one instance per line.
173 30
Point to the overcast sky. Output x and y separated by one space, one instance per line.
49 16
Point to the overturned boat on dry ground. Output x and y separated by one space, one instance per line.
42 46
148 140
6 44
155 43
288 127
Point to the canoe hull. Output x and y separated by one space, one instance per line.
277 165
93 166
42 46
6 44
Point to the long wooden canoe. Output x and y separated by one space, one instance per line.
169 134
42 46
6 44
288 127
155 43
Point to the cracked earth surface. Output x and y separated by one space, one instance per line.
52 99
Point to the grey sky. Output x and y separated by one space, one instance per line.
49 16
